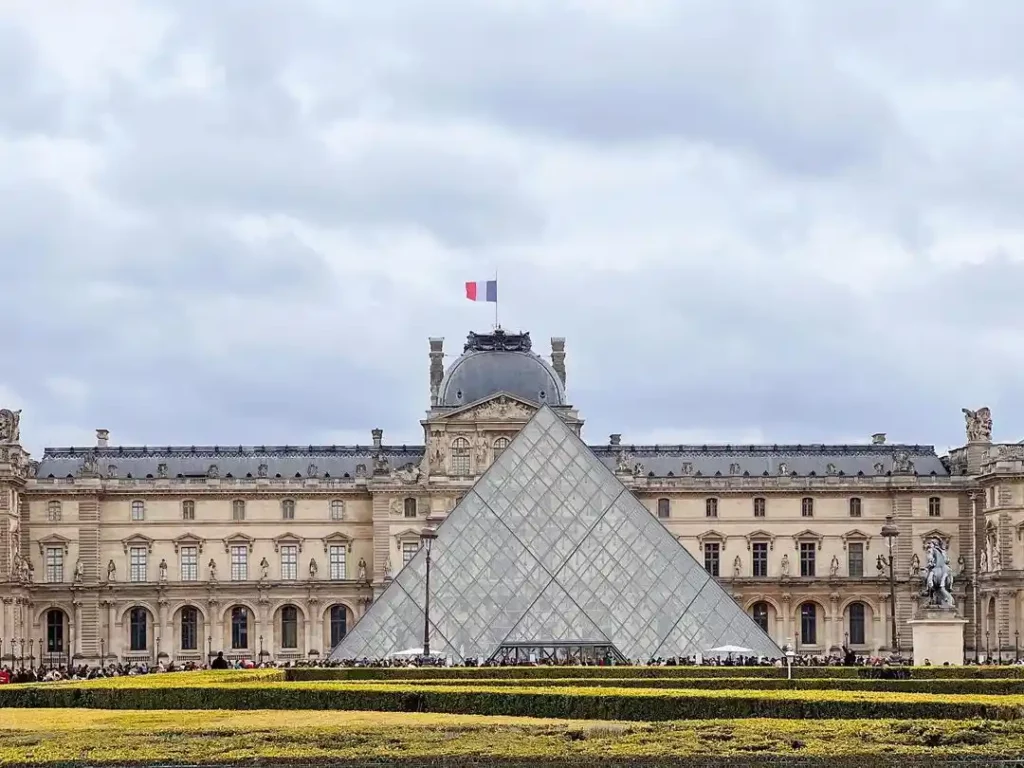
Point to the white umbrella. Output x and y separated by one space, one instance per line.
729 649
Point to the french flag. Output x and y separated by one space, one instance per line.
485 290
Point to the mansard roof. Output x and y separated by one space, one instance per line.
771 460
341 460
337 461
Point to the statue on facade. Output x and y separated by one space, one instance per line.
622 462
410 473
26 571
264 569
161 470
638 469
481 454
163 571
111 470
90 466
961 566
10 425
387 567
737 566
833 568
782 468
938 579
262 470
997 559
785 565
979 425
879 567
984 560
901 463
213 471
212 567
361 572
312 568
111 572
915 566
879 468
79 576
311 470
381 465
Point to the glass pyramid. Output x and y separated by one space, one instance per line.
550 548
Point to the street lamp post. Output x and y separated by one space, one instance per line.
32 653
427 536
1016 645
21 656
988 650
889 533
103 654
209 648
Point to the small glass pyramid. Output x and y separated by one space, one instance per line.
549 548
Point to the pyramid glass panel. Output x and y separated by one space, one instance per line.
550 548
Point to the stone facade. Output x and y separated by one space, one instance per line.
145 553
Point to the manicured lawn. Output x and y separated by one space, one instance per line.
51 736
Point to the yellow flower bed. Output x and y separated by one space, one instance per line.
103 737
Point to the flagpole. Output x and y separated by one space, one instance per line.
496 300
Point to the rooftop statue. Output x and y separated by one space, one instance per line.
979 424
938 577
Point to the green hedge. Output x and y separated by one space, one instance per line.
534 673
576 704
985 687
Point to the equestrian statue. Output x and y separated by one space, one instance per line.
938 577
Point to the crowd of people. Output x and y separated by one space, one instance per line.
118 669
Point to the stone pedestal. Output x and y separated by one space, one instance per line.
938 638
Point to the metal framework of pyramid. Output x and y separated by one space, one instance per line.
549 547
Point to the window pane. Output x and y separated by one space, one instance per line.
54 631
54 565
760 506
239 563
760 614
137 629
409 551
337 509
760 559
855 560
339 624
663 508
138 510
460 456
189 629
711 558
188 510
137 564
857 628
808 624
711 508
289 562
410 507
807 507
189 564
807 558
854 507
238 510
288 509
289 627
337 562
53 512
239 628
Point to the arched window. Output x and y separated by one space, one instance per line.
809 624
857 624
500 445
55 631
711 508
410 507
460 456
855 507
664 508
337 509
339 624
53 512
189 629
288 509
807 507
289 627
760 613
239 628
138 510
238 509
138 624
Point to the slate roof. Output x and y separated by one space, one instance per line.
500 362
341 460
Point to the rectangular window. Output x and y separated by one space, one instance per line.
337 509
54 565
188 510
807 507
760 506
807 558
287 509
712 555
189 564
138 510
53 512
409 551
663 508
854 507
760 559
238 509
337 562
239 563
137 564
289 562
711 508
855 559
934 507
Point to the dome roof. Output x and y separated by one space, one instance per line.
500 362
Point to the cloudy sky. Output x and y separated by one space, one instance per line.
238 221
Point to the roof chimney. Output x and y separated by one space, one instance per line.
102 438
378 437
436 368
878 438
615 439
558 356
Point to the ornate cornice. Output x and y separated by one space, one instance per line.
857 535
137 540
287 538
188 540
238 539
761 535
808 535
337 538
54 540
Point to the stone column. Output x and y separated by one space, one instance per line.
787 621
8 621
214 628
162 640
113 638
75 629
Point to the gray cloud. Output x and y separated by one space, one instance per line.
769 219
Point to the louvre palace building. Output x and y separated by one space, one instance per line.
160 553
